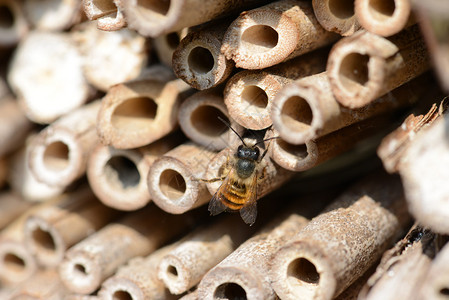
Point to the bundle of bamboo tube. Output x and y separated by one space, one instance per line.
130 131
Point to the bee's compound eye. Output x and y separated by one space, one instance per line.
255 154
240 152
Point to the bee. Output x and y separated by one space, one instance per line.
238 191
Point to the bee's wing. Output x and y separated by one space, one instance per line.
216 205
249 211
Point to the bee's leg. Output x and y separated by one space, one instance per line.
222 177
265 151
264 173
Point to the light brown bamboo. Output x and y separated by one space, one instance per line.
107 13
58 154
118 177
385 17
11 206
274 33
174 179
199 119
198 59
336 15
364 66
183 267
14 126
249 95
307 109
46 75
136 113
52 230
154 18
166 44
87 264
408 261
13 25
339 245
53 15
110 58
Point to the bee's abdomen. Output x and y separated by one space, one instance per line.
235 197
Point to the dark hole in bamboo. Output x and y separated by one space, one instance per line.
134 113
201 60
14 262
384 8
172 184
255 96
260 38
231 291
206 120
56 156
342 9
121 170
172 270
80 269
300 151
6 17
43 239
154 7
304 270
106 6
121 295
444 292
172 40
354 71
296 113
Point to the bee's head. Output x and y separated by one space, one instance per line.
247 152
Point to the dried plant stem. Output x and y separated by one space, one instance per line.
14 25
107 13
166 44
11 206
336 15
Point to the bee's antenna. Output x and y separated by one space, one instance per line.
229 125
271 138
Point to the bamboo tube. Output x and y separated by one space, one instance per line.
46 74
13 25
307 109
199 119
409 260
154 18
249 94
338 246
365 66
58 154
14 126
134 114
274 33
183 267
4 170
52 230
98 256
107 13
53 15
110 58
384 18
11 206
337 16
166 44
119 177
137 280
174 179
435 285
198 59
190 296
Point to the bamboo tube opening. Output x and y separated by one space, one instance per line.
134 112
255 96
172 271
106 6
173 40
121 295
444 292
302 270
206 120
6 17
79 270
343 9
153 9
354 71
121 169
296 113
43 239
299 151
56 156
14 263
259 38
231 291
382 9
172 184
201 60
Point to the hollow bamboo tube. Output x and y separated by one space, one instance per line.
384 18
137 279
274 33
14 126
307 109
409 260
107 13
365 66
53 15
136 113
336 15
199 119
183 267
90 262
339 245
166 44
11 206
436 284
52 230
13 25
58 154
244 273
121 54
198 59
47 77
119 177
154 18
174 179
249 94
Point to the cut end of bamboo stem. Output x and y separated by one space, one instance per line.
172 272
13 25
16 262
337 16
293 157
118 288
